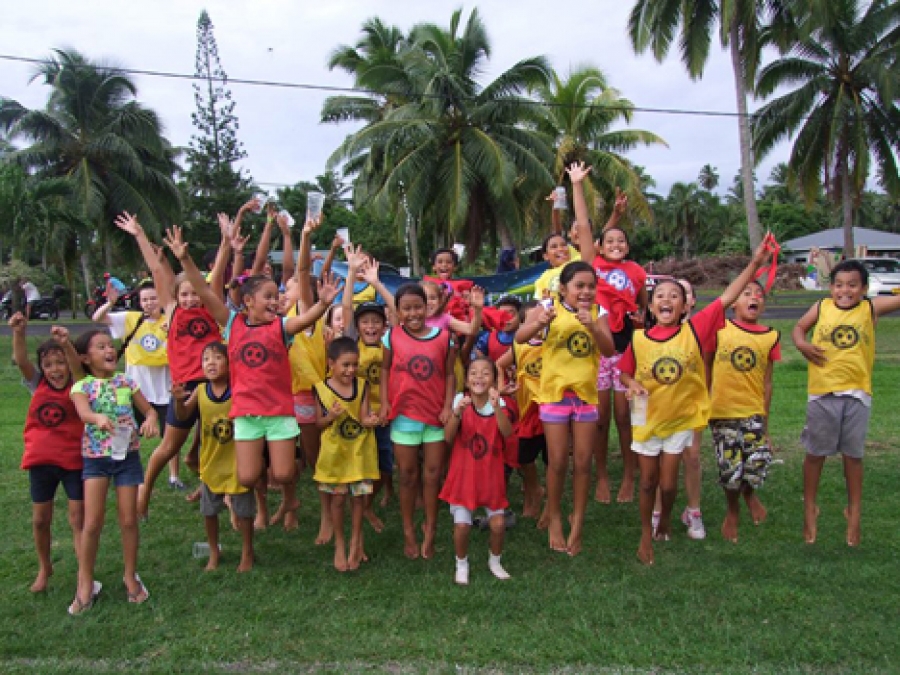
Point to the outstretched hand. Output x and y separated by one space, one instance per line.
329 287
128 223
621 203
17 321
60 334
578 172
176 242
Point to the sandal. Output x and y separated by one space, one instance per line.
142 594
78 607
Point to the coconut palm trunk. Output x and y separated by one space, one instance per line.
754 232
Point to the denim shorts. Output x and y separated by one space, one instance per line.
126 472
45 478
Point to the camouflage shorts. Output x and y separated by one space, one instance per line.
742 451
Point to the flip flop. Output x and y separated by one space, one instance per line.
135 598
78 607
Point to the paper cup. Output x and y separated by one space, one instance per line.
560 203
639 406
343 233
314 203
459 250
290 219
260 198
121 442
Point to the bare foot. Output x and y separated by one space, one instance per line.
374 520
662 534
246 564
555 533
356 557
853 530
291 522
42 580
645 552
212 564
730 528
340 559
428 546
810 523
626 492
385 499
259 523
574 544
757 511
530 510
601 494
326 532
278 516
410 546
543 521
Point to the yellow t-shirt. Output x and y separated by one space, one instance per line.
147 347
529 362
570 358
370 358
218 463
673 373
307 356
348 452
739 371
848 338
549 282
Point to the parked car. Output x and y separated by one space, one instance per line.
884 275
47 307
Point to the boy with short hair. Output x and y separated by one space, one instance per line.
841 357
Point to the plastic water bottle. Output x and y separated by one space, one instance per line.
201 550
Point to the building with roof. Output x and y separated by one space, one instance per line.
868 243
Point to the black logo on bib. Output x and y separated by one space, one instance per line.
198 328
421 368
478 446
579 344
373 373
533 368
743 359
350 429
667 370
254 354
844 337
51 414
223 431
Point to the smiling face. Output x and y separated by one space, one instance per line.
55 368
557 253
614 246
186 296
344 368
149 302
668 303
263 303
750 303
847 289
480 377
371 327
580 291
444 265
101 357
433 299
215 365
411 312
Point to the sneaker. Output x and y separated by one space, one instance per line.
176 484
654 522
461 577
693 519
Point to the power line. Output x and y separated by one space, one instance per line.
368 92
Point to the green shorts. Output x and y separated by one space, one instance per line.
405 431
254 427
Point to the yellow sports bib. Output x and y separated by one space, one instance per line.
673 373
739 372
307 356
847 337
218 464
529 364
370 358
147 346
348 452
570 358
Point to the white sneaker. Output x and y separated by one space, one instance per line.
693 519
462 572
497 569
654 522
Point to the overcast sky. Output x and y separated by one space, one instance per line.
290 41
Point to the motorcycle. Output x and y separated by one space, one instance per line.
126 301
45 308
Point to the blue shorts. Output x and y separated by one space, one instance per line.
191 419
126 472
385 450
45 478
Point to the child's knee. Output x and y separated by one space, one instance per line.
498 524
42 520
431 475
581 464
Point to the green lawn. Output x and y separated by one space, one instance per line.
768 604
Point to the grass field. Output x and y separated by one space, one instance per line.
769 604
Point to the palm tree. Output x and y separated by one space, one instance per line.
685 204
708 177
842 111
452 153
109 147
654 23
579 114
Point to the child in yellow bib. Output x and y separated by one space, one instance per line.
841 355
665 363
218 464
742 367
576 334
348 459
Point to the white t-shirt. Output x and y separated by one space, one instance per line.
31 292
155 382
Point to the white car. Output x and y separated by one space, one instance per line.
884 275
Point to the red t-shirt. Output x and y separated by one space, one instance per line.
706 323
618 285
190 330
418 380
53 429
260 369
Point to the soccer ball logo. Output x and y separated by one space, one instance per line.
421 368
478 446
373 373
150 343
579 344
743 359
350 429
51 414
667 370
198 328
844 337
254 354
223 430
533 368
617 279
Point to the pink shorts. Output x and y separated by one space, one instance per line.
571 408
609 376
305 407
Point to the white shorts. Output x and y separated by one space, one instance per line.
462 515
671 445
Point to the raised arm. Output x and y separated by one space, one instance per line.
537 319
265 241
163 276
102 314
736 287
179 249
355 261
61 336
328 290
577 173
20 346
619 208
287 259
217 275
336 245
302 290
370 274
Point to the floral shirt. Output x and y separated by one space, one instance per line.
113 398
